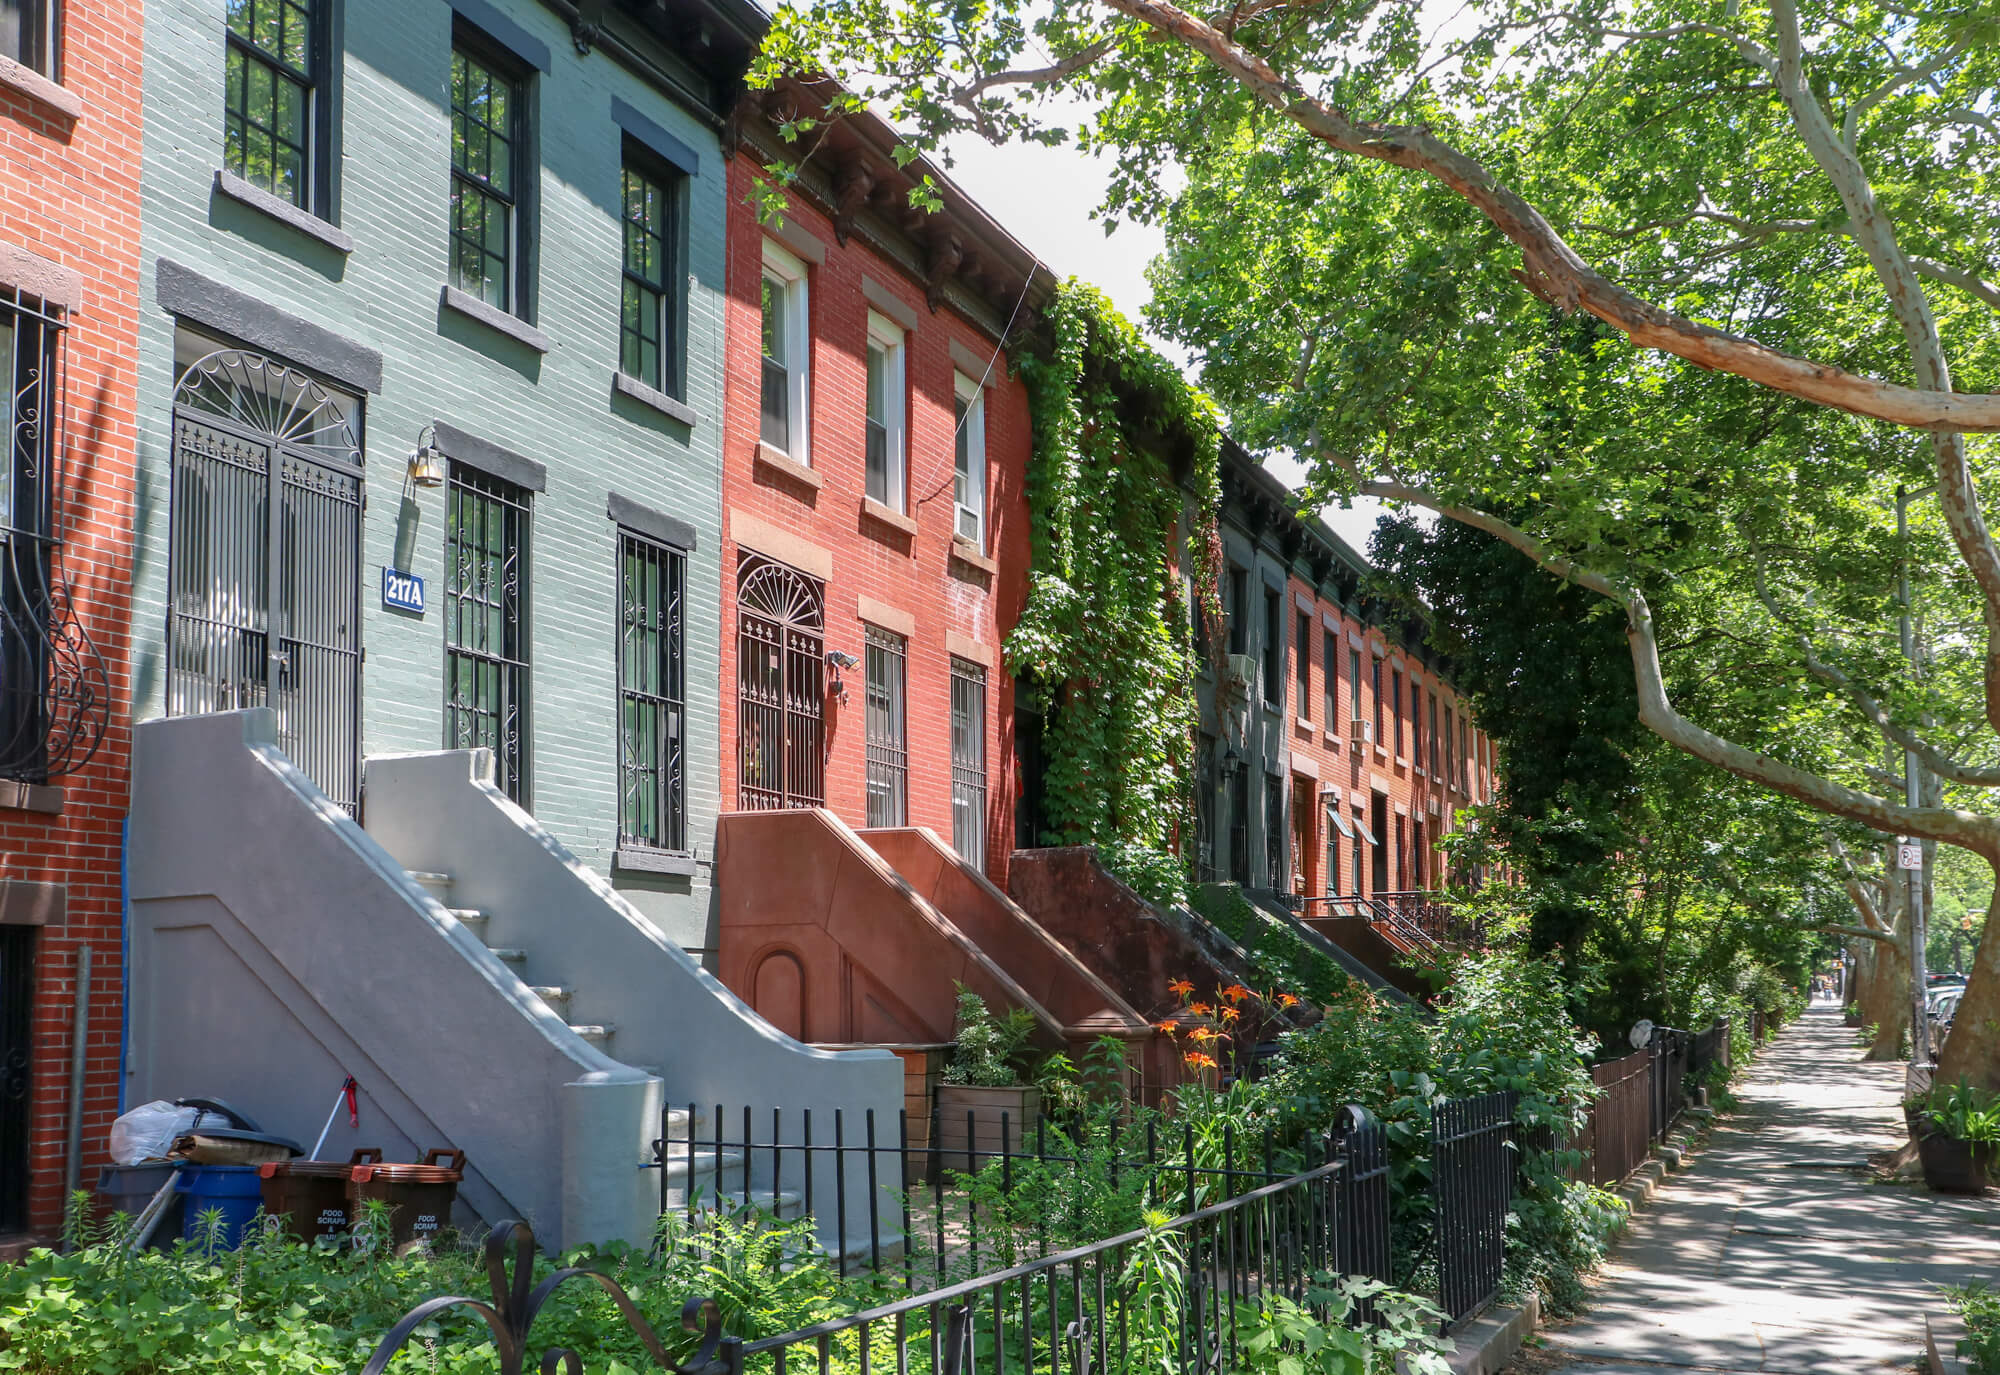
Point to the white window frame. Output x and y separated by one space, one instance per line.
966 390
891 338
789 273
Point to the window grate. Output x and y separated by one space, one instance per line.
269 95
1276 871
968 762
780 683
486 624
652 783
54 687
887 742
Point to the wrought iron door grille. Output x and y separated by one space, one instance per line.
54 689
264 572
486 624
888 741
968 762
780 684
1274 834
652 788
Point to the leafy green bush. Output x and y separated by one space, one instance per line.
1279 1337
1281 956
1979 1308
988 1050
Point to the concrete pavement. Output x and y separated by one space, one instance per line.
1774 1251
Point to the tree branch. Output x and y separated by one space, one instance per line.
1555 271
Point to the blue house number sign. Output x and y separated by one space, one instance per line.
402 591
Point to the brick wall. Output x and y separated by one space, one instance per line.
948 602
69 194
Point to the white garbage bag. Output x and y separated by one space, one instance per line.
148 1131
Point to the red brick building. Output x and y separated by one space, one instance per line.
1341 754
875 519
69 262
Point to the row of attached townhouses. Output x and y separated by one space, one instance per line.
487 613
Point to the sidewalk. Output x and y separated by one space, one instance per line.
1772 1251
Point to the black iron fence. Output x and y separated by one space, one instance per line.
1709 1048
1472 1177
1669 1048
1618 1132
1162 1297
952 1204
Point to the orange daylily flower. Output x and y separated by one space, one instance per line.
1180 988
1236 993
1199 1061
1286 1000
1169 1027
1200 1009
1202 1035
1230 1014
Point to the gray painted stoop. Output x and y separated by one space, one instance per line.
486 989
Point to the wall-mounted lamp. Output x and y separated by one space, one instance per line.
427 464
838 660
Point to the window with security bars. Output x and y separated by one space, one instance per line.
968 762
652 695
486 623
649 308
887 741
28 34
273 96
1276 870
488 111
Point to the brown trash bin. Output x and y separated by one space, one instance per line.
419 1196
311 1195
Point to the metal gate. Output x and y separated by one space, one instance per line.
17 992
264 573
781 698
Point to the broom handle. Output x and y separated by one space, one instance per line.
338 1099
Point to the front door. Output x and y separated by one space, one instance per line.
781 694
17 991
264 570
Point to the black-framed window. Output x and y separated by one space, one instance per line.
887 737
1330 651
1354 683
275 96
491 173
968 762
1302 653
1434 739
1396 706
486 623
1375 690
1239 823
1277 873
1238 611
28 34
649 322
652 694
1274 647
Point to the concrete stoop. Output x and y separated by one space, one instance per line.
1489 1341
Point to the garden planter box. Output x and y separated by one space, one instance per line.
1952 1166
1021 1108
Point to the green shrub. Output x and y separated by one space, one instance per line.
1282 957
1279 1337
1979 1308
1962 1112
988 1050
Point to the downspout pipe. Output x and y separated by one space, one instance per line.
78 1049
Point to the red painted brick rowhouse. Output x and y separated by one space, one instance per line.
69 262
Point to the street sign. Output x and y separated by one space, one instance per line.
402 591
1909 856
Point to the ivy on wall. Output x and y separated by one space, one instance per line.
1105 644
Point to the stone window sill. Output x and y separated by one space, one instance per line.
499 321
782 464
635 860
882 515
1330 740
30 797
233 187
965 554
40 89
1303 723
635 390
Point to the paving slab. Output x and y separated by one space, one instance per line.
1774 1249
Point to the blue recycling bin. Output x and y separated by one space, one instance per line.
236 1190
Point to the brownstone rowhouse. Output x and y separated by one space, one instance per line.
69 260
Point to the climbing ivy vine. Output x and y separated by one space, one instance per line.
1105 644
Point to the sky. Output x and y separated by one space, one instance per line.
1045 196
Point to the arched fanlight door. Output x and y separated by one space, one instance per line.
264 571
781 695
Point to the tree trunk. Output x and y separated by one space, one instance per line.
1885 1001
1972 1051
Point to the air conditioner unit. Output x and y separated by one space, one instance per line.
1243 668
1361 732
